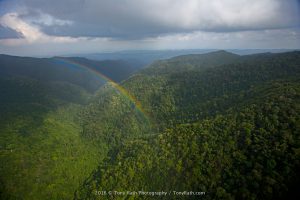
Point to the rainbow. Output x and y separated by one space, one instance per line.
115 85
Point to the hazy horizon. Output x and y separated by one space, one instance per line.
240 51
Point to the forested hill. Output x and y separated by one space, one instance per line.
61 69
228 127
198 62
185 93
191 62
42 152
218 123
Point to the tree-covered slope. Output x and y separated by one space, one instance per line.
249 154
217 123
45 160
193 94
42 152
230 129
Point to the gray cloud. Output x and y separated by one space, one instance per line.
135 19
8 33
43 27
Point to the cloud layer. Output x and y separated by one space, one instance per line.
138 19
28 33
150 23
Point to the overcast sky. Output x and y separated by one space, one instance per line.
56 27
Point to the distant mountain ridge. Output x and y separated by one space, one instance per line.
52 69
191 62
145 57
117 70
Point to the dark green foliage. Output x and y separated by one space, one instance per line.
182 97
42 153
230 130
47 160
218 123
249 154
112 117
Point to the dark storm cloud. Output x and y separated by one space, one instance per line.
55 27
116 19
8 33
136 19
